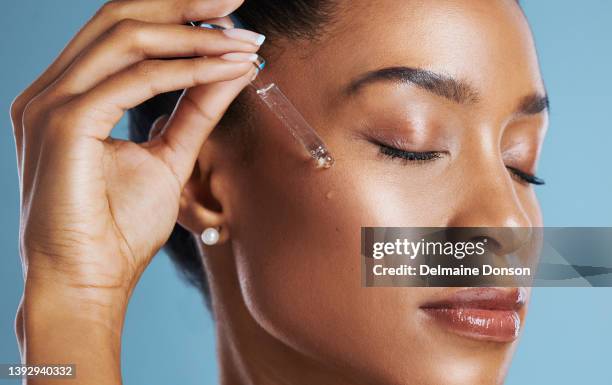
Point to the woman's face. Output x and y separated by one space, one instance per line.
294 247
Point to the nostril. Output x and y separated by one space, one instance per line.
491 244
497 240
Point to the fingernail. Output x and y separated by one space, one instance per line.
246 35
240 57
260 63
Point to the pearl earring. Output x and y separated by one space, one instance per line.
210 236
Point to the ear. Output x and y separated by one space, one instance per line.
199 209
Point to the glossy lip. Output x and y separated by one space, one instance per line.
486 314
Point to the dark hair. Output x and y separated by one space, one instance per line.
298 19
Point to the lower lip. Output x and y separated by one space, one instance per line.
481 324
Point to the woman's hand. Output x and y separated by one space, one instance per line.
94 210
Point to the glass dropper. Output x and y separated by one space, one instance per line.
285 111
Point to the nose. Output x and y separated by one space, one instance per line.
489 207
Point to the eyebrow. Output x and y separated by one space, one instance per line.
458 91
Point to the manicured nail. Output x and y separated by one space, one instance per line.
240 57
260 63
246 35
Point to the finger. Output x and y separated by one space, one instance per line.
97 111
152 11
132 41
197 113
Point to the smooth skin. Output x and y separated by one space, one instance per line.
285 277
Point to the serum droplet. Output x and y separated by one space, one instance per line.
322 157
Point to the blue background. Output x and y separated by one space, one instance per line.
169 337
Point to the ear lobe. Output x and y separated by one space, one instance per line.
198 208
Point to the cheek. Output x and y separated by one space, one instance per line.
297 243
296 240
296 237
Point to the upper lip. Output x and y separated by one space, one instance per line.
480 298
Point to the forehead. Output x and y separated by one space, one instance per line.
485 42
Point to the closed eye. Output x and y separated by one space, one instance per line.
428 156
408 156
525 177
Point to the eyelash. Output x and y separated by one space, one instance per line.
526 177
408 156
428 156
